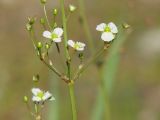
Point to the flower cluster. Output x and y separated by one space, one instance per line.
56 36
109 32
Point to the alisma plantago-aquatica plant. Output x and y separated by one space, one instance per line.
56 35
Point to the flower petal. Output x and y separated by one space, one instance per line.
57 40
47 34
35 91
52 98
71 43
36 99
47 96
80 49
107 36
58 31
81 44
113 27
101 27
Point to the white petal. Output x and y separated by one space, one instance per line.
101 27
80 49
58 31
36 99
47 34
107 36
81 44
35 91
47 96
71 43
52 98
57 40
113 27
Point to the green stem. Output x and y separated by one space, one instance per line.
71 84
52 68
45 13
64 20
91 60
85 24
73 101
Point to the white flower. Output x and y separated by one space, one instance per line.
79 46
55 35
108 31
41 96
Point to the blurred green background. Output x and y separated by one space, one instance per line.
135 93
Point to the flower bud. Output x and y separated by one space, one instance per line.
35 78
25 99
47 46
39 45
72 8
31 21
55 12
43 1
42 21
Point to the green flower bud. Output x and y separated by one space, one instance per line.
47 46
25 99
42 21
31 21
43 1
72 8
35 78
55 12
39 45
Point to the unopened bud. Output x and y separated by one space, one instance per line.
35 78
39 45
72 8
43 1
31 21
55 12
47 46
25 99
42 21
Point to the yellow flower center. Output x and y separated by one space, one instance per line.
40 94
76 46
54 36
107 29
